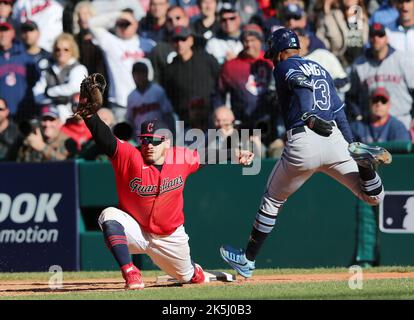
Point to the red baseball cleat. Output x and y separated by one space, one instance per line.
132 276
198 276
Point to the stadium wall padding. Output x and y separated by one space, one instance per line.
316 228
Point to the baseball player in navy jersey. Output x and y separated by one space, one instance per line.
318 140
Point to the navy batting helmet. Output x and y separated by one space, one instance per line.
281 39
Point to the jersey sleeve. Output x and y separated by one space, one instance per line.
192 158
337 103
293 77
290 77
124 153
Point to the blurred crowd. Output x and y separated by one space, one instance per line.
196 61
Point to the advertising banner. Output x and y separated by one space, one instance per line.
38 216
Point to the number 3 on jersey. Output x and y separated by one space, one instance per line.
321 94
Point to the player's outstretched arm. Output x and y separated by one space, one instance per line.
90 100
102 134
343 125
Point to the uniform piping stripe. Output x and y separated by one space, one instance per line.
262 228
372 187
116 237
117 243
371 183
375 192
343 105
375 185
278 202
266 221
365 182
270 213
113 241
267 215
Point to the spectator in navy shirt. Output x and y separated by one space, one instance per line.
16 68
380 126
30 35
152 26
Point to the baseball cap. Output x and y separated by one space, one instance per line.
252 30
380 92
154 129
29 25
181 33
227 7
4 26
50 111
293 11
377 29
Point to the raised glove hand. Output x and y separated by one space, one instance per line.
91 95
245 157
320 126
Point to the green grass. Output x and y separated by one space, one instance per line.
372 289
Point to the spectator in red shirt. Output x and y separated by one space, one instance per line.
247 78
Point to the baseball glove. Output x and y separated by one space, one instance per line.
91 95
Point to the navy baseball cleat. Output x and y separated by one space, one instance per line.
367 156
237 260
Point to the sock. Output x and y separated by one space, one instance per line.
115 239
371 183
256 241
366 173
262 226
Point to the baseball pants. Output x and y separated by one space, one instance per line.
170 253
306 153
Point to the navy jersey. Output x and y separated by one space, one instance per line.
295 73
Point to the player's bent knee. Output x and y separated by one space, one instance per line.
183 278
107 214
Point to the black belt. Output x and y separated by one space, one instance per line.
298 130
302 129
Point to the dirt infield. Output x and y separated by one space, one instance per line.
32 287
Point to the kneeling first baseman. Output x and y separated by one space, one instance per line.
150 183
